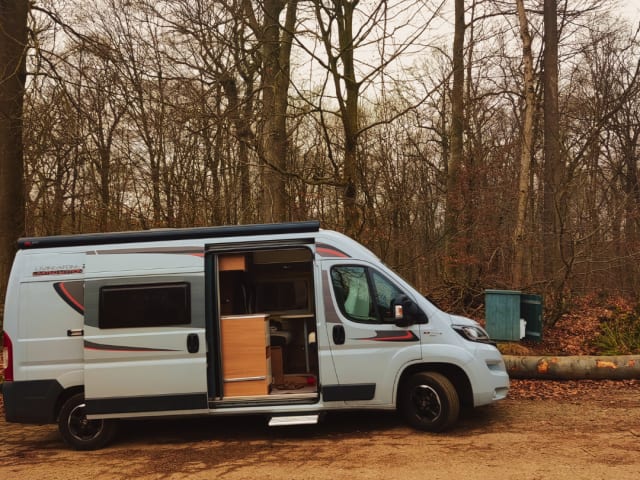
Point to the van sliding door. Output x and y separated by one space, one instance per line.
144 336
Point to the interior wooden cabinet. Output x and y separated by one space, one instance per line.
232 263
246 365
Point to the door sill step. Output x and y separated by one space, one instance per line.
260 400
293 420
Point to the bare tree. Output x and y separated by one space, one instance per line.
521 247
216 41
13 51
344 30
602 162
455 194
276 43
554 195
159 113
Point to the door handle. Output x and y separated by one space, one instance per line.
338 334
193 343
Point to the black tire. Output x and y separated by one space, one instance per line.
80 433
429 401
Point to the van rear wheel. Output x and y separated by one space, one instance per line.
429 402
79 432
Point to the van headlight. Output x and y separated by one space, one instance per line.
473 333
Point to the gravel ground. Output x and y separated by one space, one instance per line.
575 431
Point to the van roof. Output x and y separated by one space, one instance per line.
168 234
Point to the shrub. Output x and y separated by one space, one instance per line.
620 335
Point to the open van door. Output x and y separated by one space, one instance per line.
144 336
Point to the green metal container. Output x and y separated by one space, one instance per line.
502 314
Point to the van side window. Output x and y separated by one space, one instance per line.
364 295
385 293
149 305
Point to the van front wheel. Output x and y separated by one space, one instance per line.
429 401
79 432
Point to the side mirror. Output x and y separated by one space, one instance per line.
406 312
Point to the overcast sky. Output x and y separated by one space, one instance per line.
631 8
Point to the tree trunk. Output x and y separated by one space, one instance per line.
521 247
276 52
342 69
349 112
104 166
553 203
574 367
454 200
13 48
245 137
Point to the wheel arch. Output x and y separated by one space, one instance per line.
456 375
63 397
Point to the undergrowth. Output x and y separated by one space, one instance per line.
620 335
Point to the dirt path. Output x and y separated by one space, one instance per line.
588 436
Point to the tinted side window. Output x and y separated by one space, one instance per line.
364 295
152 305
351 288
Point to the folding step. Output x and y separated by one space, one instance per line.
293 420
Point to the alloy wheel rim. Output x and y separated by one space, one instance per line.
427 402
80 427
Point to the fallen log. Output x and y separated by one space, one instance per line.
621 367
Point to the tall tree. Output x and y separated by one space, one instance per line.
346 28
13 49
218 40
275 43
340 13
520 244
454 168
553 203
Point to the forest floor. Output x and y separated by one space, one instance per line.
574 334
557 430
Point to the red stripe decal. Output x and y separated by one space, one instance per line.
399 338
391 336
70 297
118 348
331 252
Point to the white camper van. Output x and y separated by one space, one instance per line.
285 320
